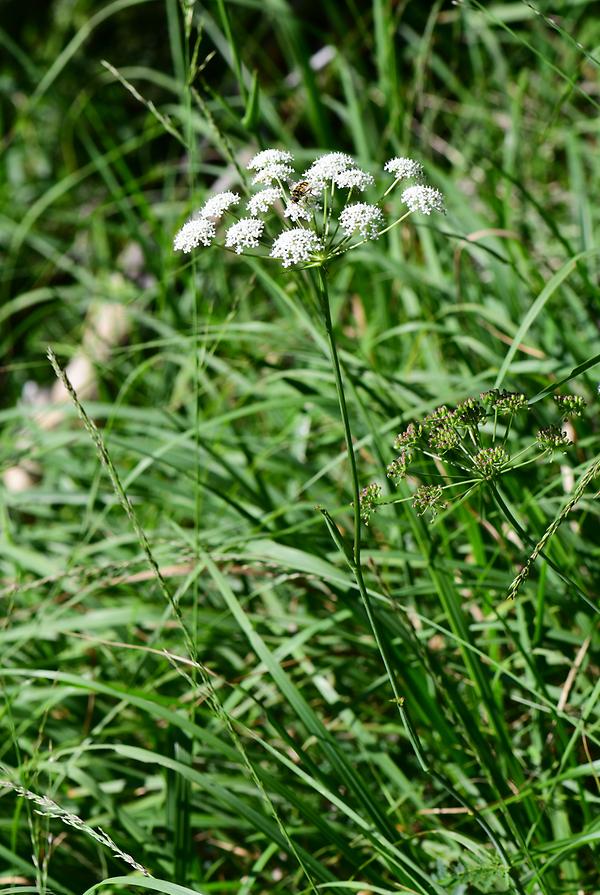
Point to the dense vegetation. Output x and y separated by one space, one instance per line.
187 663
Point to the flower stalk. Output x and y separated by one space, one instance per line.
354 556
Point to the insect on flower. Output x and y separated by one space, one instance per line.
300 191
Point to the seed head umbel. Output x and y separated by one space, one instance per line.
368 498
552 438
396 470
428 498
408 438
569 405
468 413
504 402
491 461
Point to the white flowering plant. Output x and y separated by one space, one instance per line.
304 223
317 211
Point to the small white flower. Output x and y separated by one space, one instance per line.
262 201
298 211
269 157
424 199
326 168
276 171
217 205
404 168
244 234
296 246
367 219
353 179
195 231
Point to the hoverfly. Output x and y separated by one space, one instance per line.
300 191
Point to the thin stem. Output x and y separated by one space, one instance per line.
354 558
339 384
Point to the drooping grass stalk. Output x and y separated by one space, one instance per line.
538 548
212 695
48 808
591 473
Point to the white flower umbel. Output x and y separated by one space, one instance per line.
424 199
244 234
263 200
404 168
198 230
296 246
269 173
367 219
298 211
217 205
353 179
269 157
314 214
325 169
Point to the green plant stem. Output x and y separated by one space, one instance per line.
354 557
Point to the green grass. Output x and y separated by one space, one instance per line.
186 660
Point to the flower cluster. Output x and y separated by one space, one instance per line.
491 461
570 405
295 246
316 214
428 497
551 439
470 443
368 499
504 402
245 234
